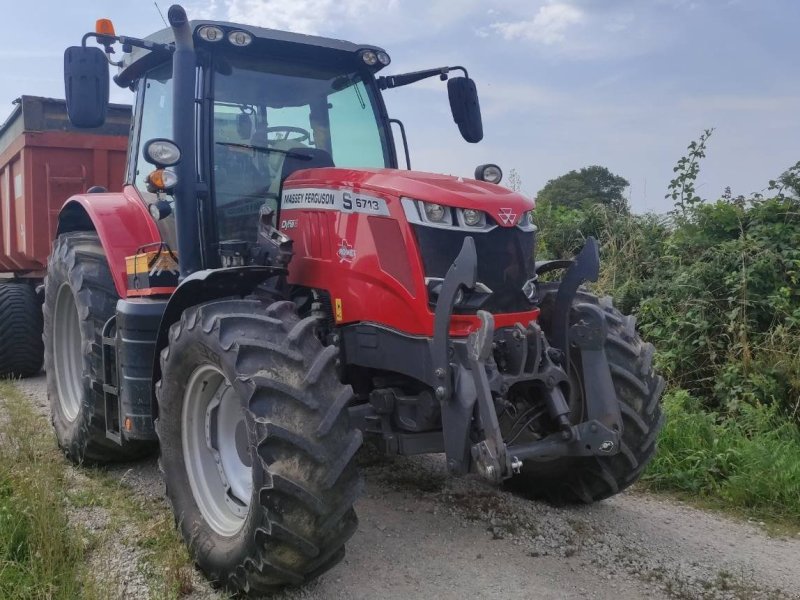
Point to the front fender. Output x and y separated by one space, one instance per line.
121 221
205 286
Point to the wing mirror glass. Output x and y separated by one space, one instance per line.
86 85
465 108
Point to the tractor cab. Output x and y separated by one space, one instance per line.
267 103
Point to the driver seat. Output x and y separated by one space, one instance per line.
317 159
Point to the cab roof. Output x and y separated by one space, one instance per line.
282 43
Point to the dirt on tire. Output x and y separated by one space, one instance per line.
301 445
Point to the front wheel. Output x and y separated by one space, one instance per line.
256 445
79 298
638 389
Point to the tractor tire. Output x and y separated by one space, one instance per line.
639 389
21 349
257 450
79 298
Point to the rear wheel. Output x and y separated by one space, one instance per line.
79 298
256 445
638 388
21 350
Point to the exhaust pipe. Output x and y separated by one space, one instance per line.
184 65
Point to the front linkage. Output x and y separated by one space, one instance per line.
469 380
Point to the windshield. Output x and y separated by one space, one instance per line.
272 118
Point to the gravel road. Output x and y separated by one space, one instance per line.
423 535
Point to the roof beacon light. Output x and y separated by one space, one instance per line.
240 38
210 33
104 27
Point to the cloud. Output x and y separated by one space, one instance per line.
301 16
385 23
548 26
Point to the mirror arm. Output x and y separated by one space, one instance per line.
107 40
393 81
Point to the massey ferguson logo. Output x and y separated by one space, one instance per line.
346 252
507 216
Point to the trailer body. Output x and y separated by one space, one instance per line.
44 160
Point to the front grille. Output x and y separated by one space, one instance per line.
505 260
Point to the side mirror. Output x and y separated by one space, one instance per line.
465 108
86 85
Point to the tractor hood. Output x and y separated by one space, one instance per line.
502 204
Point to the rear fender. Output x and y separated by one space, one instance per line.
206 286
121 221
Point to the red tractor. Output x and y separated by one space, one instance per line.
269 289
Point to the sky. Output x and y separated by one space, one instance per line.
563 84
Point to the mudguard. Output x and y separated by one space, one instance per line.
205 286
121 222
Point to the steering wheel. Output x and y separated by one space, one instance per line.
286 130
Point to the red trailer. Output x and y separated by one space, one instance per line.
44 160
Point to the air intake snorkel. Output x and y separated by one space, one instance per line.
184 66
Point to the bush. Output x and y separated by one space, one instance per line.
716 288
751 461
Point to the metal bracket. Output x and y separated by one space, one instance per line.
462 273
110 382
589 336
585 268
457 409
592 438
490 454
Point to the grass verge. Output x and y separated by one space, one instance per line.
40 553
44 556
143 523
747 463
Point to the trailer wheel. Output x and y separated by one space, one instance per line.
639 389
79 298
21 349
256 445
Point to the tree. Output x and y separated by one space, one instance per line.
581 189
514 181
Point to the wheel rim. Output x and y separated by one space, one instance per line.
68 353
216 450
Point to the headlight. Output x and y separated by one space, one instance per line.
435 213
240 38
473 217
162 152
489 173
160 210
383 58
526 221
369 57
210 33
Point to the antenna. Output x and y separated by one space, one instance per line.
160 13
